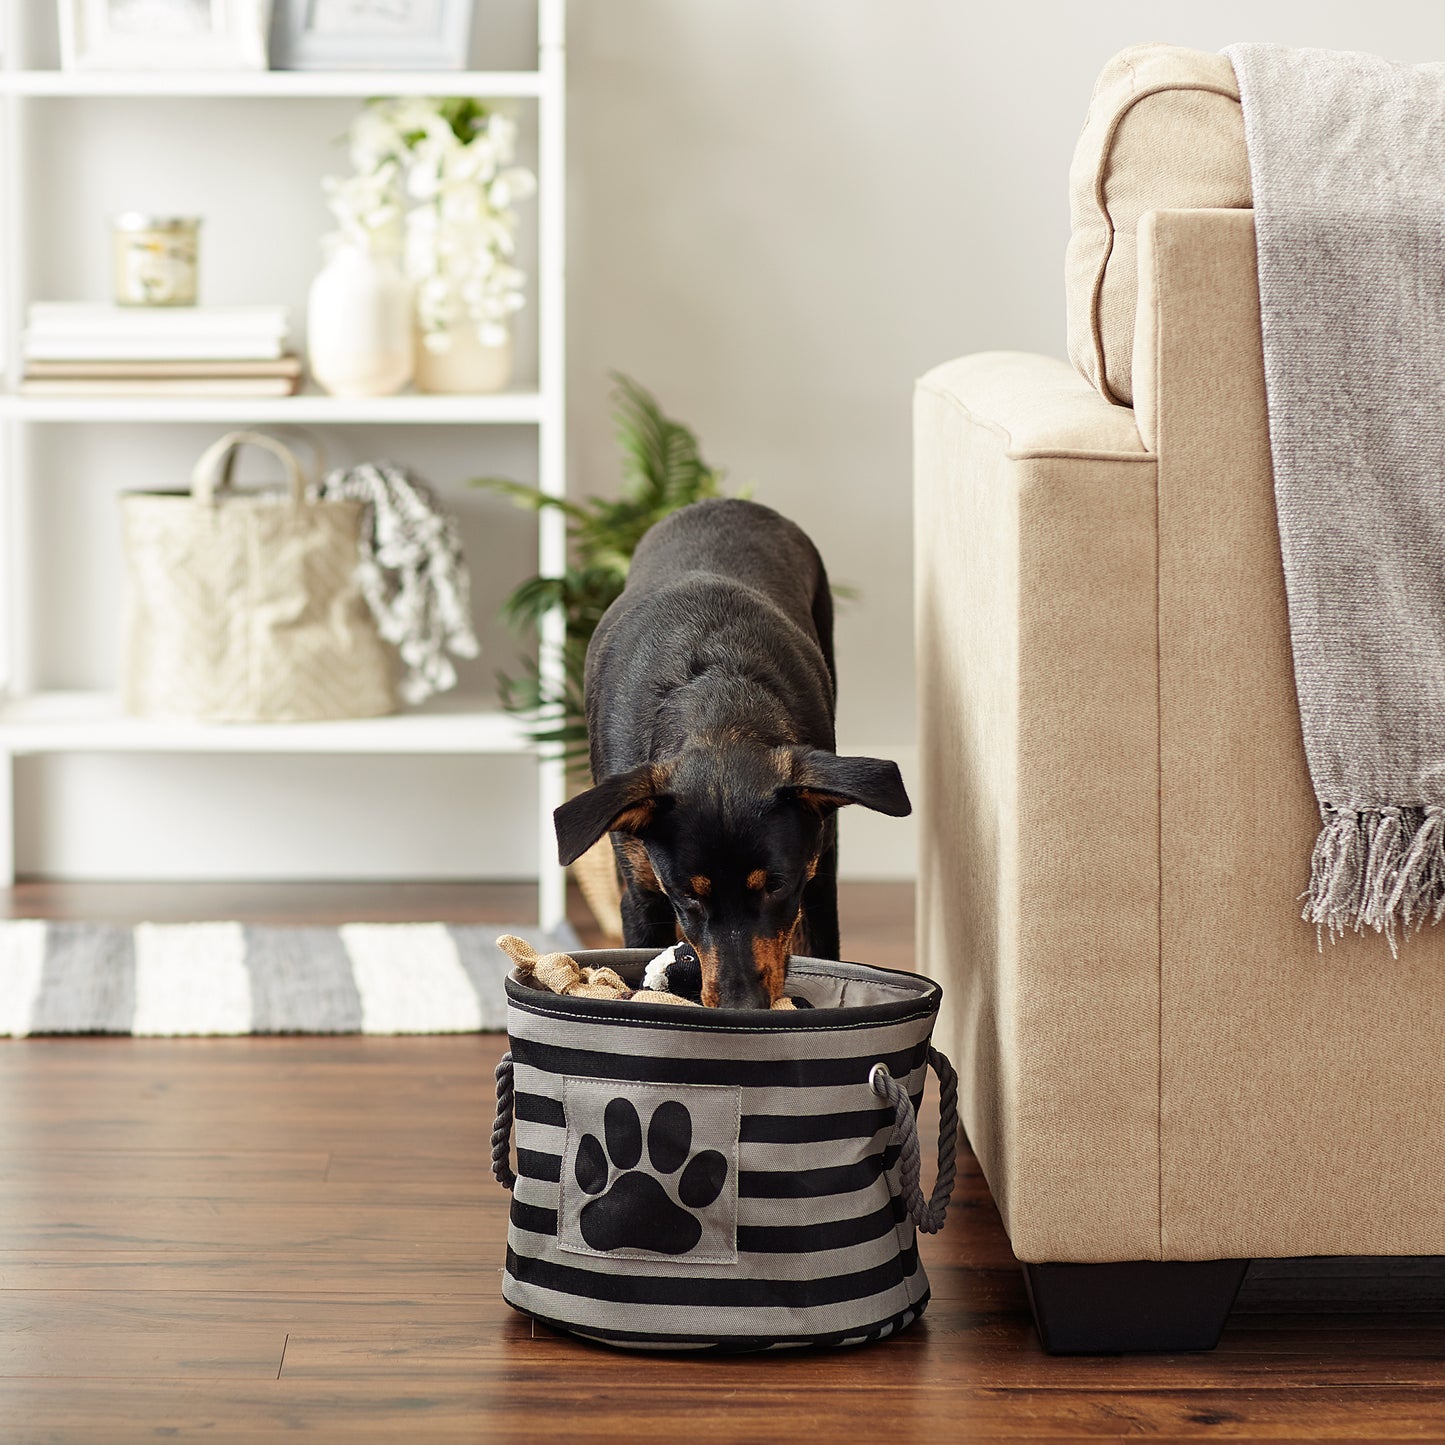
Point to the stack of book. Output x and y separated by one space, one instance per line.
77 349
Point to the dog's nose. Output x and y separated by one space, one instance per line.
742 990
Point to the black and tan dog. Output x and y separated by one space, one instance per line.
710 693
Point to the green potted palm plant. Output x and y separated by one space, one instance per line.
662 470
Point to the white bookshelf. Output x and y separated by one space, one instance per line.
37 722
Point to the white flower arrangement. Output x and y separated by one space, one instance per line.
435 184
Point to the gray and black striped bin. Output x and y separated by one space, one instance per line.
722 1179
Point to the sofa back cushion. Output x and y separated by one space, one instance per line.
1164 132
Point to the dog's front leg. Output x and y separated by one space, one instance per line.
647 919
820 907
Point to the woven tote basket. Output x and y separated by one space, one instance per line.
718 1178
245 607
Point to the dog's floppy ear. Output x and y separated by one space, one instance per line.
824 781
624 803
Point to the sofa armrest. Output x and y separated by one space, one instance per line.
1039 821
1037 406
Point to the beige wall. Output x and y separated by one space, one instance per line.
785 210
782 211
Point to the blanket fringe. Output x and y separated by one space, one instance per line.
1380 868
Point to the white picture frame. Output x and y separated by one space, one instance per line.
163 34
371 34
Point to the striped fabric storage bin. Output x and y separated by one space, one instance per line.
717 1178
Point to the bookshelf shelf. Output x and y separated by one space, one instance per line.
274 84
79 722
37 721
525 408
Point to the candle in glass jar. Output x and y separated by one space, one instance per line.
155 259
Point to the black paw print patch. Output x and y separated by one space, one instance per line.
650 1171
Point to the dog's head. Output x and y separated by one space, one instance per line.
733 833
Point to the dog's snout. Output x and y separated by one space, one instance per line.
730 980
738 990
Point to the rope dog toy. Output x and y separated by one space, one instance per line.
675 968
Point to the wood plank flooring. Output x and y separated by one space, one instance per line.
240 1239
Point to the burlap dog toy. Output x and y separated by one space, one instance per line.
561 973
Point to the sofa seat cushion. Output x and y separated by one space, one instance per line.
1164 132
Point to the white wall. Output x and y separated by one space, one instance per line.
781 212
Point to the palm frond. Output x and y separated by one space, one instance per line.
662 463
642 437
529 497
531 600
554 715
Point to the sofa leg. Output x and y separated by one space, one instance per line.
1115 1309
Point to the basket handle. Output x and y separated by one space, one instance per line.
502 1125
208 468
928 1214
314 466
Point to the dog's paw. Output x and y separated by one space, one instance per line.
637 1211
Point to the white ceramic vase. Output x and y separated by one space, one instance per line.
359 325
465 367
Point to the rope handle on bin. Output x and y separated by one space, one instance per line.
502 1125
928 1214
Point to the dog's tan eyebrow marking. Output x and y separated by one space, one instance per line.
757 880
700 885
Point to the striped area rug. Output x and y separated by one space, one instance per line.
172 979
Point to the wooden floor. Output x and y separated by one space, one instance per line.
241 1239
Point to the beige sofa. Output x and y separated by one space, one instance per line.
1164 1074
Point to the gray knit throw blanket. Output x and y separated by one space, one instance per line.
1347 155
412 573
